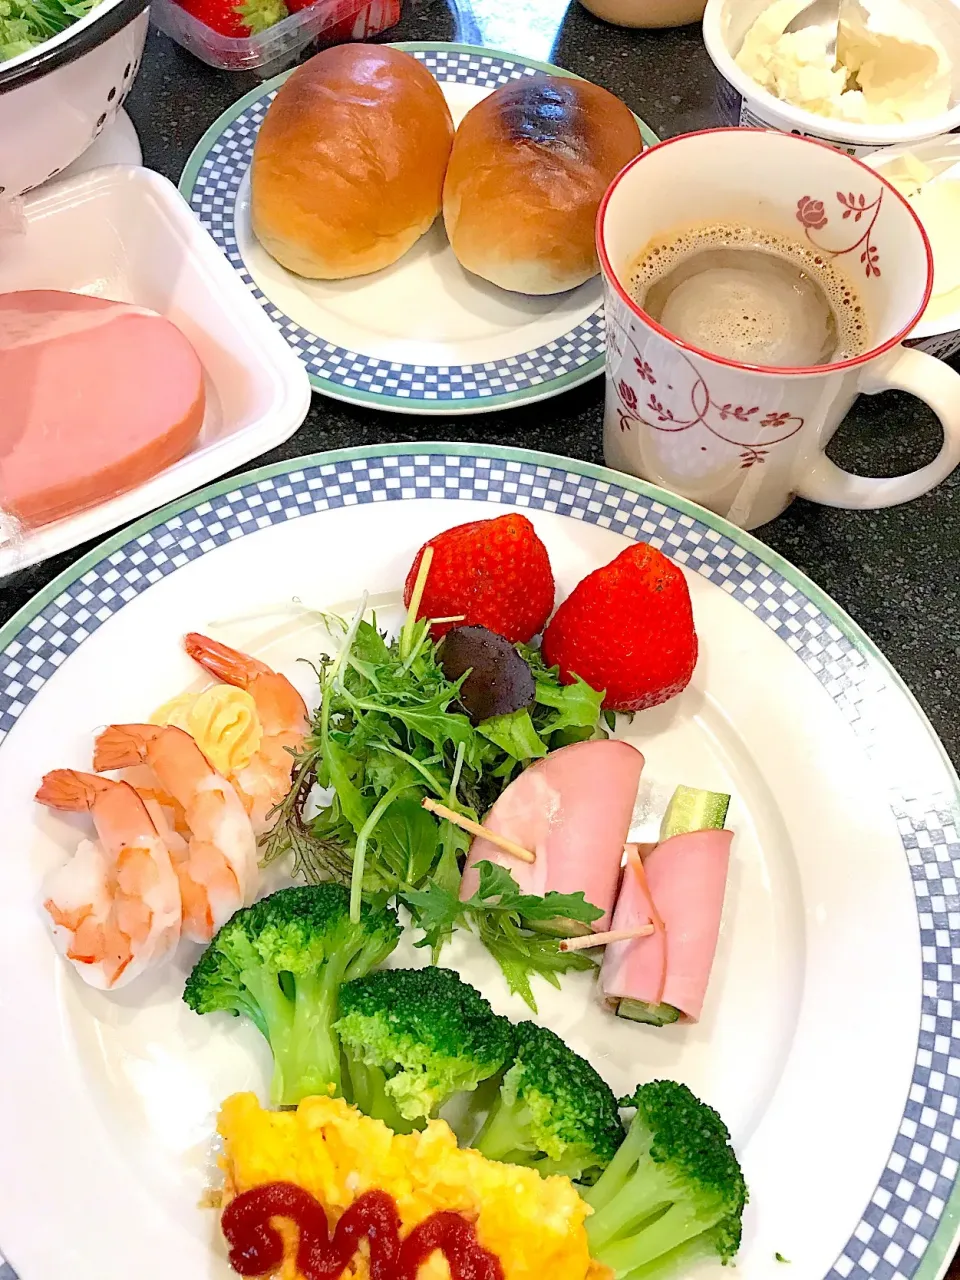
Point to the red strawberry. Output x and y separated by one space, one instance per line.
627 628
229 18
495 573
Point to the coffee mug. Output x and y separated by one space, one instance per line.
742 439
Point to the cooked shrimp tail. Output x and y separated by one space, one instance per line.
217 869
265 780
115 906
121 746
279 705
67 789
229 665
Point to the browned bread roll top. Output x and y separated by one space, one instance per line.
349 162
529 166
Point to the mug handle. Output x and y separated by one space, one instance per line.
929 380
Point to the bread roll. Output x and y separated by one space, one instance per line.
349 162
528 169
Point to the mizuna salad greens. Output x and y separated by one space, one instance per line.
389 732
27 23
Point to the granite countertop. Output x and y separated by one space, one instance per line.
894 571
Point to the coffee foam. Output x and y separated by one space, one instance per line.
731 319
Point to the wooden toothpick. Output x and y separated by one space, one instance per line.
475 829
589 940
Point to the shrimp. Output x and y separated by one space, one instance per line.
217 865
115 905
265 781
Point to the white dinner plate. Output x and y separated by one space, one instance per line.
422 336
830 1039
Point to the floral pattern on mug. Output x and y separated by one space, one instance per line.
738 411
701 409
810 213
812 216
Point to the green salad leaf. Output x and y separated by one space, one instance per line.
26 23
505 920
390 732
514 734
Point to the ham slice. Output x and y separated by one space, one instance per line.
573 810
97 397
685 877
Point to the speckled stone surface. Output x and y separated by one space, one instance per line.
894 571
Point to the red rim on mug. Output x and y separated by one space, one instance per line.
776 371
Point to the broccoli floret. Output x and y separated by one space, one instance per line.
675 1184
412 1038
554 1113
281 963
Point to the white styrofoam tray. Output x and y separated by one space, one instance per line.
126 233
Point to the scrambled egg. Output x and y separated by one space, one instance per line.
222 721
534 1225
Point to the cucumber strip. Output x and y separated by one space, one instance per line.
655 1015
693 810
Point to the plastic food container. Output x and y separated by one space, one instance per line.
273 50
940 337
128 234
743 102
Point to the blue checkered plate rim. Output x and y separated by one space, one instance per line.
908 1227
212 180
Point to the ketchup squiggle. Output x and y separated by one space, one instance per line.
256 1246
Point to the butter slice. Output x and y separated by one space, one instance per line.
908 174
937 205
223 721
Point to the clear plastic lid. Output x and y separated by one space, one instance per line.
274 50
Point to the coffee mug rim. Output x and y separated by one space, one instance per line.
774 370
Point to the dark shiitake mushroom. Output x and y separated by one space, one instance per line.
499 681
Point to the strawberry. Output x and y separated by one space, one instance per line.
228 18
627 628
494 573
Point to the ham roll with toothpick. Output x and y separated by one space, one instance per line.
572 809
679 887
